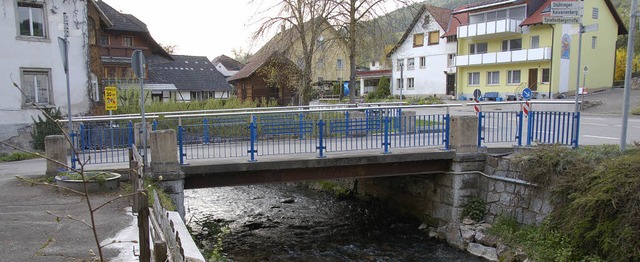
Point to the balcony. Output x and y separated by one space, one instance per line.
526 55
502 27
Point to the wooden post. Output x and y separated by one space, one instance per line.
133 176
159 250
143 226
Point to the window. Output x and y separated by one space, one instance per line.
535 41
474 79
451 39
451 60
104 40
434 37
126 72
36 86
478 48
411 63
594 42
127 41
418 40
31 19
320 63
513 77
410 83
594 13
423 62
373 63
339 64
399 83
493 78
546 75
511 45
400 64
110 72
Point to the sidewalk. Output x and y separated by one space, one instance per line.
30 234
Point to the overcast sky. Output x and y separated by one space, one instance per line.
203 27
198 27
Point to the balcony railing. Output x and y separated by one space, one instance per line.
536 54
488 28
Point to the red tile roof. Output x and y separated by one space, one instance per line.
441 15
456 20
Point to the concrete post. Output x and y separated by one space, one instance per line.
55 147
464 134
165 166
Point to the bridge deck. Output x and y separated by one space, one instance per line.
272 169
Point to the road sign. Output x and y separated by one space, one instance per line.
571 5
564 12
585 69
562 20
137 63
110 98
526 93
477 93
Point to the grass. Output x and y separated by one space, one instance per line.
88 176
636 111
17 156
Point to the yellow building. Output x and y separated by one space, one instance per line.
504 47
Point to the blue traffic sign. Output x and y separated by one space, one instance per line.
526 93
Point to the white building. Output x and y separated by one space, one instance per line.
31 58
227 66
423 63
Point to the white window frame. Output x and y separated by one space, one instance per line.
451 60
472 80
34 95
411 63
509 45
411 83
595 13
399 83
399 63
510 77
124 42
474 46
535 41
339 64
594 42
423 62
493 78
32 5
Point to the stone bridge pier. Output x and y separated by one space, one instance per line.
165 167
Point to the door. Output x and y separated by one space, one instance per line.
533 79
451 84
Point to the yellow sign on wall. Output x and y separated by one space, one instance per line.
110 98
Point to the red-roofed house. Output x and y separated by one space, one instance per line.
423 60
504 47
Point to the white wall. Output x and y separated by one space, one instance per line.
224 71
42 53
431 79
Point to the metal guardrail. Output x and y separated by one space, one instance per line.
253 133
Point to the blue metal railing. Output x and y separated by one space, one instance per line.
500 127
309 132
102 142
550 127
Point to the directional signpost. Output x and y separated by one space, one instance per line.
526 94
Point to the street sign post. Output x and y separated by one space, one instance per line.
110 98
526 93
137 64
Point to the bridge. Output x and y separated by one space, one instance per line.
238 147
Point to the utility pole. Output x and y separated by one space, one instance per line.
401 78
627 74
65 59
577 106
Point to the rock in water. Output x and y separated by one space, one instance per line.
482 251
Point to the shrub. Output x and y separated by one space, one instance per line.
16 156
475 208
44 127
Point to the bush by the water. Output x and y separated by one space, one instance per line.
597 198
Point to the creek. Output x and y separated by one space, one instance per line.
290 222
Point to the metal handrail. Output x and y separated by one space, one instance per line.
314 111
100 118
522 102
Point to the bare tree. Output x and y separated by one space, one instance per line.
351 14
169 48
305 20
240 55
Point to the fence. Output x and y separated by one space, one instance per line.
543 126
321 131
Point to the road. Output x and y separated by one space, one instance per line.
606 129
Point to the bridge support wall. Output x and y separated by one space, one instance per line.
165 166
55 147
